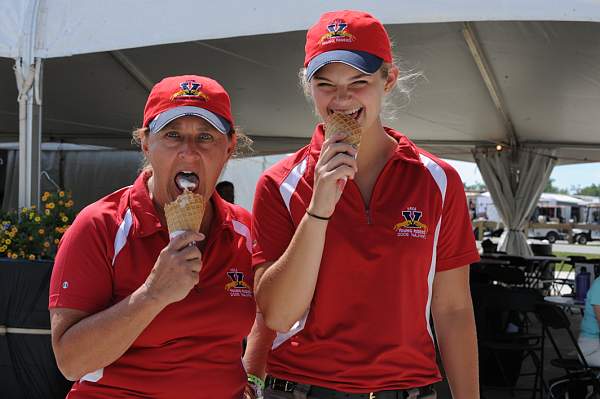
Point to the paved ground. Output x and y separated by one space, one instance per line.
591 248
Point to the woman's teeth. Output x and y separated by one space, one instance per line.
354 113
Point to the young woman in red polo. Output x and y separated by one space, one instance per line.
137 312
358 244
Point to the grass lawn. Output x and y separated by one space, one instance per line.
562 266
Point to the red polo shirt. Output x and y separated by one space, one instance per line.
367 328
193 348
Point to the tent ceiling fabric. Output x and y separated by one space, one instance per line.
547 72
69 27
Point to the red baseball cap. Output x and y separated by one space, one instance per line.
178 96
351 37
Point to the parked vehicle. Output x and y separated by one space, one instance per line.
592 216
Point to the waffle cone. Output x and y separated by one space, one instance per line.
185 213
338 122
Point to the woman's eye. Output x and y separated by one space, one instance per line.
204 137
359 83
323 84
172 135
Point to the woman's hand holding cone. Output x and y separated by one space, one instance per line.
337 164
176 270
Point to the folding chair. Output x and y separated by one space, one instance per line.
505 338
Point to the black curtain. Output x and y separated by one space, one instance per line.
27 365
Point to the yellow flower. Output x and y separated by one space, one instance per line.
69 203
14 229
47 212
37 219
33 207
46 244
3 248
14 256
50 205
64 219
41 231
7 241
10 234
31 257
56 241
61 194
31 215
24 210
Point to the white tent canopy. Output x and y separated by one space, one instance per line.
505 72
71 27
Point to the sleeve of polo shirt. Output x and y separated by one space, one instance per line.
456 243
82 274
272 226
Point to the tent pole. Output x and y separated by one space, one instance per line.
28 72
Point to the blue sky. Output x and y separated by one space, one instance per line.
567 176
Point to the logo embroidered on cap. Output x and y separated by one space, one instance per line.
412 225
336 33
237 286
190 89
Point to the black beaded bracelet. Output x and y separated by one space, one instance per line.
317 216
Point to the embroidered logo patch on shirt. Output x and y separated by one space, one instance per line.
237 286
412 225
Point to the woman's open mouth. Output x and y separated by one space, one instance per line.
186 180
354 113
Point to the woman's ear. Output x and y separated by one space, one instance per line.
232 144
144 136
391 79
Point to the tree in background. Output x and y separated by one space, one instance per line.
593 190
551 188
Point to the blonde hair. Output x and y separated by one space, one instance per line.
243 145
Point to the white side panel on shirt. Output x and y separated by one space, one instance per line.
94 376
243 230
288 187
296 328
122 233
438 174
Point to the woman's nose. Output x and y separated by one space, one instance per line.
189 149
341 93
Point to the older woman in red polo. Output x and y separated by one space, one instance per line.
136 312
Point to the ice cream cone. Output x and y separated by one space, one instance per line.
185 213
338 122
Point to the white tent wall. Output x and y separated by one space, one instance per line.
244 174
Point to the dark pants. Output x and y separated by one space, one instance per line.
272 394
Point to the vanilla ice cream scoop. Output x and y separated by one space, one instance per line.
187 180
